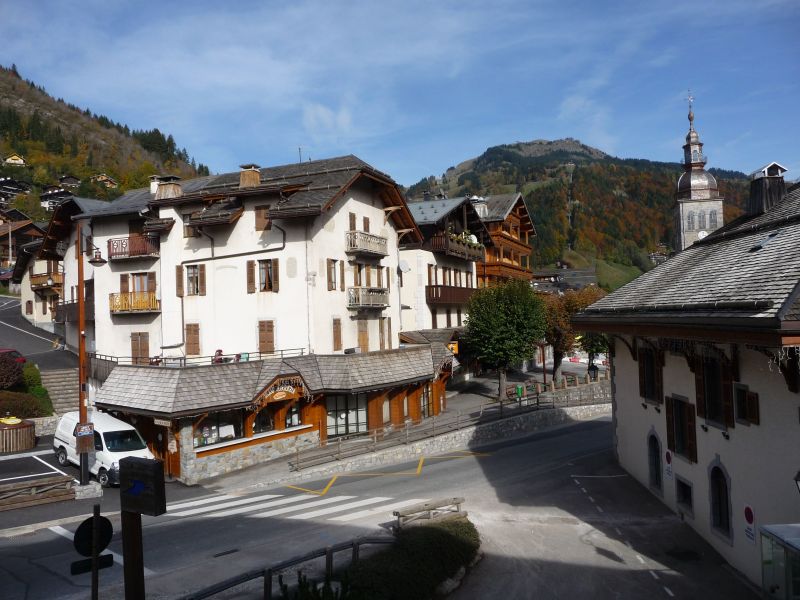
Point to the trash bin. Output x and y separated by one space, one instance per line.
520 390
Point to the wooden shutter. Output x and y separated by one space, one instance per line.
366 224
352 221
753 412
388 279
434 324
368 270
337 334
202 280
430 274
728 415
641 362
179 281
363 335
670 412
151 281
140 348
356 274
659 373
379 273
691 432
341 275
275 279
331 274
262 220
449 318
389 331
382 333
193 338
699 387
251 277
29 307
123 283
266 337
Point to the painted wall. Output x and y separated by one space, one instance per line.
760 460
41 316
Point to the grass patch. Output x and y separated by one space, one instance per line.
24 405
611 276
576 260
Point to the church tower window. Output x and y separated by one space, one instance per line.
712 219
701 221
690 221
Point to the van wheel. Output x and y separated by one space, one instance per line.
102 477
61 457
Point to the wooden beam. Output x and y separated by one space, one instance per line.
387 212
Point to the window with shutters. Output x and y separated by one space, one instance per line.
469 280
29 307
188 230
746 405
332 274
366 224
193 280
352 223
140 348
266 337
337 334
363 335
193 339
713 376
712 384
143 282
650 363
268 275
382 333
681 429
357 274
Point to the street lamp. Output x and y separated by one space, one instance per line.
85 445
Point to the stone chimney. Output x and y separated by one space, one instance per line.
767 188
249 176
154 181
157 180
169 189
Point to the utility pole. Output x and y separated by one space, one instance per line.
82 412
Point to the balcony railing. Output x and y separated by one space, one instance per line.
134 302
361 242
447 294
367 297
133 246
442 242
43 281
67 312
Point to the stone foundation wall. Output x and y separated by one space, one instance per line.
45 425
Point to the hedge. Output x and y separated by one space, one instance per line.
25 406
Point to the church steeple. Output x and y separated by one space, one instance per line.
693 157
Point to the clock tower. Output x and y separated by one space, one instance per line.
698 205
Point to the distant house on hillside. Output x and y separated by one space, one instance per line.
69 181
104 180
14 160
53 196
10 188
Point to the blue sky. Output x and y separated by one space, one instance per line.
415 87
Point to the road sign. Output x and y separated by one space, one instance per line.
85 565
141 486
83 535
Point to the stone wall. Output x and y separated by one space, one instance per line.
45 425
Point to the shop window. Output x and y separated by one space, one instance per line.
264 420
293 416
426 401
683 494
219 427
720 502
347 414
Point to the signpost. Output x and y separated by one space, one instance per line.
750 524
84 437
91 538
141 492
668 467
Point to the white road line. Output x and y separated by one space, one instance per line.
591 499
584 490
190 503
27 332
375 510
24 476
263 505
49 466
600 510
639 557
576 482
617 530
653 573
58 530
597 476
288 509
232 503
340 508
628 544
25 455
669 591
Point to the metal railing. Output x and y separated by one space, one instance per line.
366 243
67 312
373 440
133 246
452 246
268 574
134 302
367 297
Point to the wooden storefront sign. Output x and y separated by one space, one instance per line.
282 388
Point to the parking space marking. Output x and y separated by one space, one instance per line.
52 467
600 510
617 530
24 476
26 332
25 455
584 490
591 499
641 560
58 530
597 476
654 574
669 591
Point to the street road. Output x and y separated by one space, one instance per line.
35 344
557 517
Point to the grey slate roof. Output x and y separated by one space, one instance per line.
748 271
194 390
438 340
499 206
427 212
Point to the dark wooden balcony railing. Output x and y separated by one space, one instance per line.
367 297
67 312
447 294
43 281
443 242
134 302
133 246
361 242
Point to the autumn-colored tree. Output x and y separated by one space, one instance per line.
10 371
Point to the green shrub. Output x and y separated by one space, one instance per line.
422 558
31 376
10 372
307 590
24 406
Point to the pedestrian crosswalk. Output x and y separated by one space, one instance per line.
340 509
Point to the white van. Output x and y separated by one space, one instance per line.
113 440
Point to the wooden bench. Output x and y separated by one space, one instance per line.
36 491
429 510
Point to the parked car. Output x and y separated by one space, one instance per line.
13 354
113 441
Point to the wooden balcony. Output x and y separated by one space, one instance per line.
367 297
67 312
46 281
134 246
448 294
504 270
134 302
361 242
444 243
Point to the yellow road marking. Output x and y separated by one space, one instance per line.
317 492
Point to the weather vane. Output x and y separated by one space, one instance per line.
690 98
